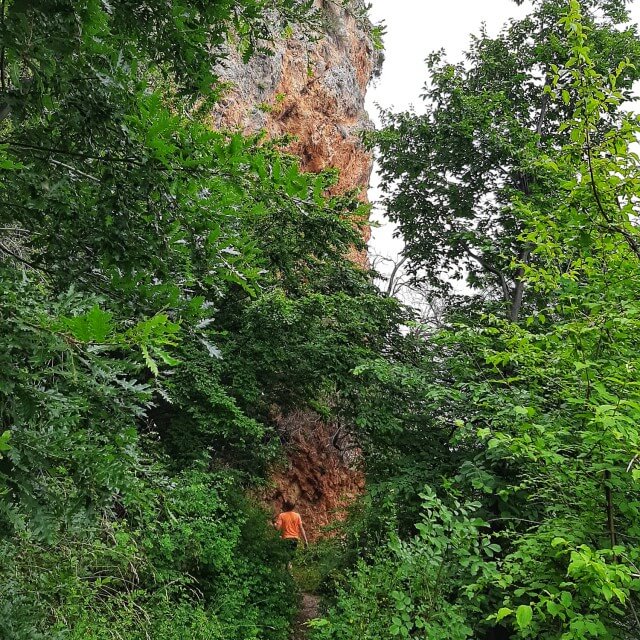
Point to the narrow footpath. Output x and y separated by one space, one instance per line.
309 609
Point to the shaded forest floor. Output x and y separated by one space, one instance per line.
309 609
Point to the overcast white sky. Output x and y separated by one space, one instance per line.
414 29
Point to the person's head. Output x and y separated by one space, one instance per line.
288 505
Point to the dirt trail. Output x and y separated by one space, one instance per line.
309 609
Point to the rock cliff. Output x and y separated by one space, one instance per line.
321 474
313 90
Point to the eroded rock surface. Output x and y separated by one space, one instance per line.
313 90
320 475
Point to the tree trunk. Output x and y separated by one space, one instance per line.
518 294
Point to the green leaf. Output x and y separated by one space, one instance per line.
166 358
94 326
503 613
149 361
524 616
4 442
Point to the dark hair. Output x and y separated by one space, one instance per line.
287 505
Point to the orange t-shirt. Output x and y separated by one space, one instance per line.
290 524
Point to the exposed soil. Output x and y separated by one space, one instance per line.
309 609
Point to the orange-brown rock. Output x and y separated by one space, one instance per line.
313 90
320 474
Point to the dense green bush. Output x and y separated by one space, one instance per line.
422 587
316 567
196 554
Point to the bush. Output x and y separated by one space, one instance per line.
317 567
199 562
405 589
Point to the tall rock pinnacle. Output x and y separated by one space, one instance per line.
312 90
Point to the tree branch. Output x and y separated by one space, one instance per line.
73 154
394 273
75 170
503 281
610 518
543 112
24 261
631 241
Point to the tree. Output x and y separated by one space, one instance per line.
542 413
451 174
137 247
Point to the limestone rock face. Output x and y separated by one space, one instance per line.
313 90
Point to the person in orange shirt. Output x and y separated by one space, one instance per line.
289 523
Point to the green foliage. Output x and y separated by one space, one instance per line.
189 563
138 248
451 175
167 289
316 567
535 419
70 409
300 352
406 590
198 415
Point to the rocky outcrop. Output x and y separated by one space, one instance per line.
313 90
320 475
